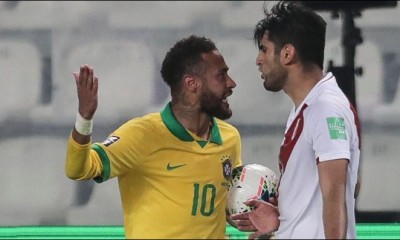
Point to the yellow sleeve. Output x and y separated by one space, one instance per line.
82 162
238 159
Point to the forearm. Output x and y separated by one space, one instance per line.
332 178
79 138
335 219
80 162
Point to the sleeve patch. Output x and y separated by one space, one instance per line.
110 140
336 128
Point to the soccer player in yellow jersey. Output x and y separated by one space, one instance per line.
173 166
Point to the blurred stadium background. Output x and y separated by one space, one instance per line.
43 42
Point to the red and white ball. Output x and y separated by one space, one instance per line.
250 181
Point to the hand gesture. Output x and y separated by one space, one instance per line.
87 85
263 219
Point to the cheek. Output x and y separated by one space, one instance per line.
267 65
272 63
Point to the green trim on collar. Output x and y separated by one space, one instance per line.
215 134
176 128
202 143
173 125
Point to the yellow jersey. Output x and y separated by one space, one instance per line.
172 183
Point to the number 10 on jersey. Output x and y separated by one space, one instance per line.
200 194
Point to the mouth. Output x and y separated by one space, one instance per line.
225 98
262 74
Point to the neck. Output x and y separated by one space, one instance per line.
192 119
300 83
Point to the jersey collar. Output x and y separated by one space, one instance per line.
176 128
315 91
313 94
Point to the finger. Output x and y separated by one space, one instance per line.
84 75
250 228
243 223
240 216
76 76
90 78
251 203
95 85
80 79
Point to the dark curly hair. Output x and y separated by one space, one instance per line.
185 58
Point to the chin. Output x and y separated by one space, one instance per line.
224 114
271 88
266 86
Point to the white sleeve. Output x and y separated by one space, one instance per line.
328 132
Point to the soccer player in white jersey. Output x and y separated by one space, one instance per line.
173 166
319 155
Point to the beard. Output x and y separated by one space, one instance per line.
276 79
214 106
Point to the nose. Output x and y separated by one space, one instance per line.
231 83
258 60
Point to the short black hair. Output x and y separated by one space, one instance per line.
294 23
185 58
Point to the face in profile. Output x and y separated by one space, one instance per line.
217 88
268 62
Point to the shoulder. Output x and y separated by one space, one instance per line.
329 101
328 111
150 118
142 123
225 125
227 129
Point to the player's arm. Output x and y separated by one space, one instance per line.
358 185
332 180
79 163
87 86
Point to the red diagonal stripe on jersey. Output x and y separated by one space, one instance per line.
290 140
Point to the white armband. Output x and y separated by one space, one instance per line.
82 125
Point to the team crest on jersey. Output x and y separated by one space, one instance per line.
226 167
110 140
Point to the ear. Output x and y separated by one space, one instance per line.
190 83
287 54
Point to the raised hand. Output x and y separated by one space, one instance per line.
87 86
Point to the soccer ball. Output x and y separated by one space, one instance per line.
250 181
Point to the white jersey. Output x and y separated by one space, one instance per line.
324 127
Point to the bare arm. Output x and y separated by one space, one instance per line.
87 86
358 185
78 151
332 179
